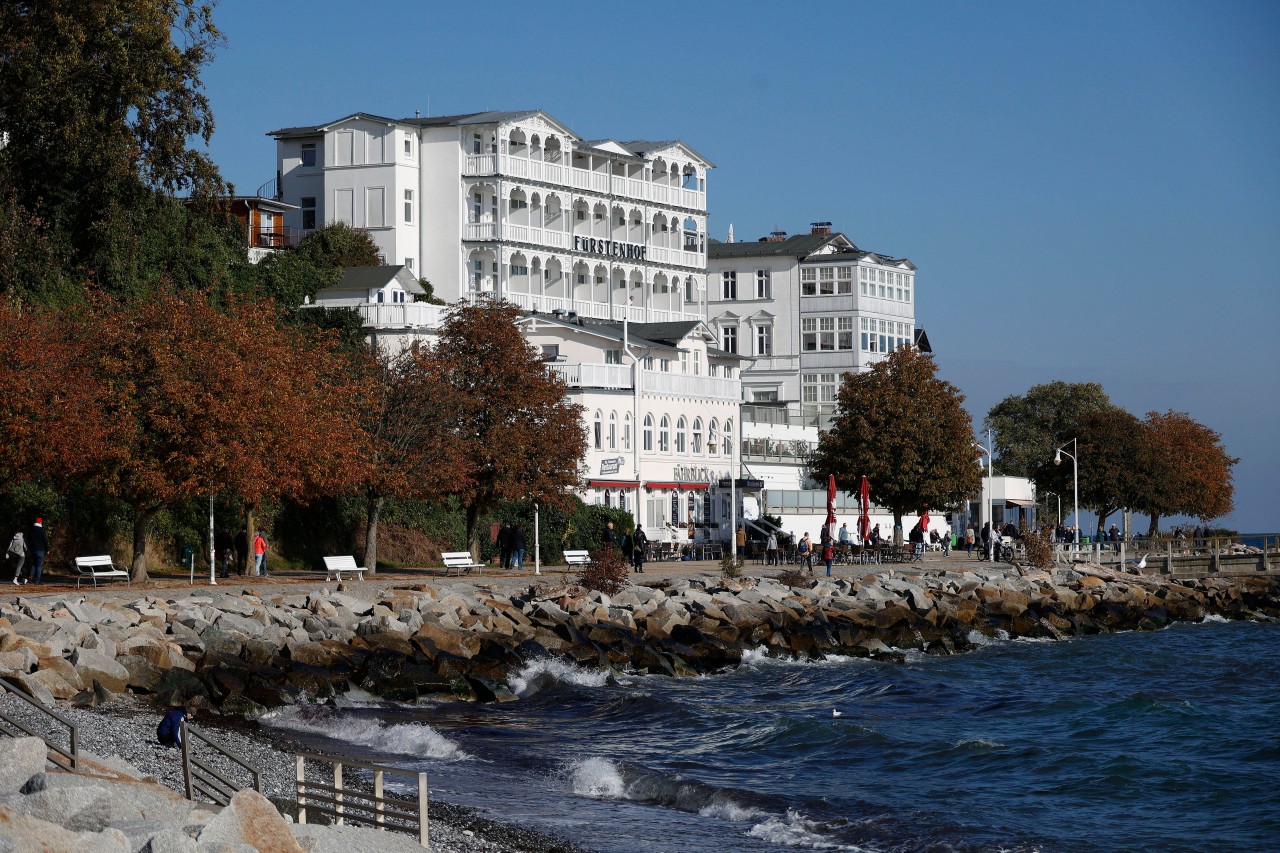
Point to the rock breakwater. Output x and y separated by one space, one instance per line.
245 653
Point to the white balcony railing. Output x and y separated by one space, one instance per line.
480 231
705 387
390 315
598 310
485 165
613 376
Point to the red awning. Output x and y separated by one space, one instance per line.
697 486
614 484
653 485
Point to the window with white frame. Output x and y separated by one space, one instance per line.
597 430
764 340
308 155
713 438
844 333
809 334
408 206
519 269
696 437
844 280
664 435
826 281
827 334
408 146
819 387
682 433
729 284
764 284
613 430
613 356
308 205
626 432
808 282
729 336
647 434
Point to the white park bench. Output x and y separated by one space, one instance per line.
577 558
460 561
99 567
335 567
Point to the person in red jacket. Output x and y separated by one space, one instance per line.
259 554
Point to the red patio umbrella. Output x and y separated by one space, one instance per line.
831 507
864 520
924 519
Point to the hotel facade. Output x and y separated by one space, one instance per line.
512 205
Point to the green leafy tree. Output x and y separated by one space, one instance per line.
907 431
292 277
517 434
102 104
1028 427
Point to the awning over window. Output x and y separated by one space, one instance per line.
695 486
1018 502
653 485
614 484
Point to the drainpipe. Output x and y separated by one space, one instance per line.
421 271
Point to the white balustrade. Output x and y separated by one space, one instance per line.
593 375
517 233
704 387
480 231
480 164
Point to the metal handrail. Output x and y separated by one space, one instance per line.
202 779
67 759
344 803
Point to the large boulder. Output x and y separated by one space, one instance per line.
94 666
20 759
250 819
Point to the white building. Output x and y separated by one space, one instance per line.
384 297
512 204
660 402
807 309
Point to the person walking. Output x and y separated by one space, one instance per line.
38 546
259 554
607 539
222 545
639 542
169 732
517 547
968 539
828 548
504 544
18 553
805 550
742 542
771 548
242 550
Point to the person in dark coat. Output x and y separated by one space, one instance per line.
504 544
639 543
37 547
517 547
242 550
169 732
607 538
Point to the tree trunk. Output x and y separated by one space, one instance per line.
249 528
897 527
1102 520
373 511
141 525
1154 530
473 521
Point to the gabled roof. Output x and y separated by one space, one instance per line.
807 248
317 129
376 278
644 147
921 341
490 117
608 146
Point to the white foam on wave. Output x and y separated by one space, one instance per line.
759 656
795 830
538 672
977 743
414 739
729 810
1214 617
598 778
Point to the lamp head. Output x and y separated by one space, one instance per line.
1057 457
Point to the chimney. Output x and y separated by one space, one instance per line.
820 229
774 237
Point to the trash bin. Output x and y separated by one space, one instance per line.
188 554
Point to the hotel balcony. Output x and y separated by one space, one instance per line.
602 183
593 310
615 377
390 315
554 238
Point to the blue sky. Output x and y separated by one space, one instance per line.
1090 190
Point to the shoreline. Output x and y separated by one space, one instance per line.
244 648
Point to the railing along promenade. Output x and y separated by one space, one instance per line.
1187 557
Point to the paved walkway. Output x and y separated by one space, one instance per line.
167 583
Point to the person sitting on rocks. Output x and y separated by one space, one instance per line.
169 732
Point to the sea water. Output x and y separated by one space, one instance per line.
1164 741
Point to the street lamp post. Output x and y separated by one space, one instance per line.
1075 481
987 491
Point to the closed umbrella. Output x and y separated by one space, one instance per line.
924 519
864 520
831 507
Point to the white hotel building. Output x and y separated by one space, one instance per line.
512 205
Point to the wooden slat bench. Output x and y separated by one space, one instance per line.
336 567
460 561
99 567
577 558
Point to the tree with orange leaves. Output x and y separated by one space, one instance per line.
195 398
517 434
1188 469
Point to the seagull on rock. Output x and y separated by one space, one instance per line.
1140 564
